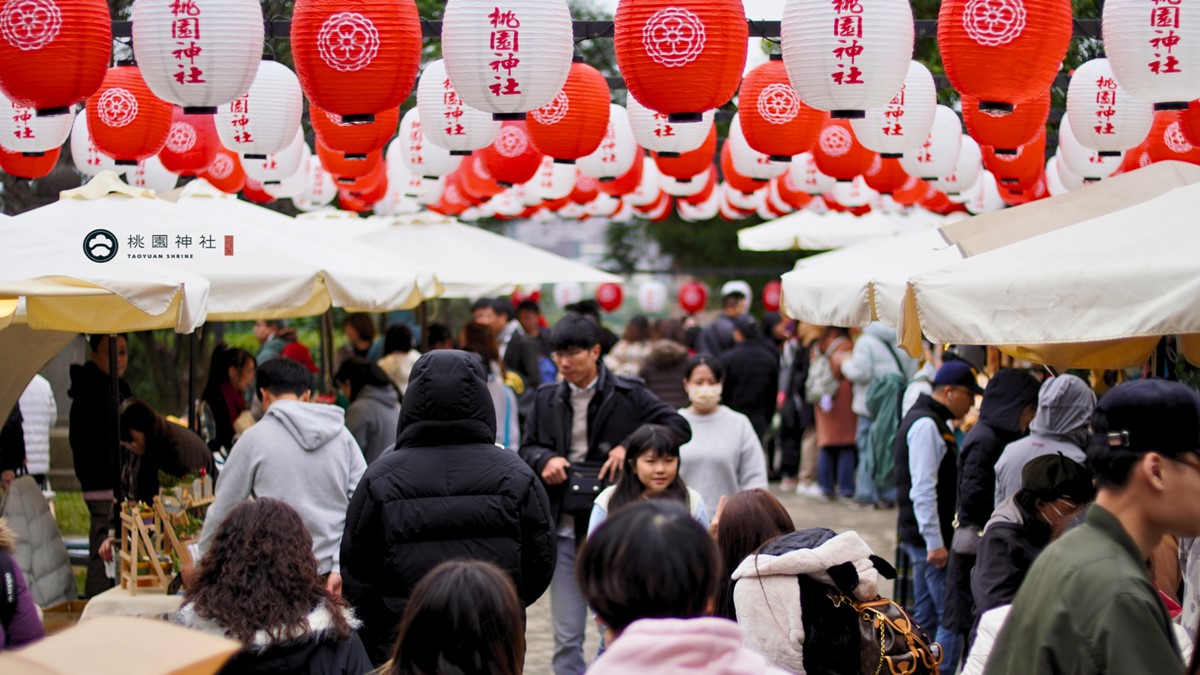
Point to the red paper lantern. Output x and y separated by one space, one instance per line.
774 120
911 193
1138 157
1007 132
1168 139
125 120
886 176
692 297
735 180
772 293
343 167
1003 52
253 191
626 184
53 53
610 297
574 123
192 143
476 178
793 195
586 189
353 140
20 166
356 60
710 185
692 163
348 202
369 184
837 152
1189 121
681 57
225 172
512 158
1019 171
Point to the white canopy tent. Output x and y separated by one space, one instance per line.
810 231
1097 294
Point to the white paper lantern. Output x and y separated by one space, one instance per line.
746 160
804 173
775 199
507 204
741 200
552 180
905 122
698 213
198 54
419 155
655 211
938 155
266 118
679 188
87 157
654 132
603 206
509 60
294 185
847 57
21 130
277 165
617 151
463 129
150 173
647 191
1103 115
429 190
1081 161
623 214
572 211
567 294
1154 49
319 188
985 196
652 296
854 194
966 169
1054 177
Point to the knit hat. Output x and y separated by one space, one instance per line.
298 352
1054 476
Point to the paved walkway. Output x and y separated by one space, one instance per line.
877 528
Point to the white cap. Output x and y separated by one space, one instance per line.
736 286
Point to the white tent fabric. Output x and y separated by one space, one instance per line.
809 231
1096 294
23 352
862 283
470 262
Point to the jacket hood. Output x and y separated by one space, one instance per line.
1065 407
87 377
1008 393
1008 512
447 401
319 620
311 425
666 353
843 561
386 396
679 646
878 330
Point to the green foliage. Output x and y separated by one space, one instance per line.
72 513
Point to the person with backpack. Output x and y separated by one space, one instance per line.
831 394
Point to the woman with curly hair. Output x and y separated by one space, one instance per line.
259 584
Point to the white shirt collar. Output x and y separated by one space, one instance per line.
591 386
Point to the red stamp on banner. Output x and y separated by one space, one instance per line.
229 244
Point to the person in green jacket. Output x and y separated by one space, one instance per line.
1088 606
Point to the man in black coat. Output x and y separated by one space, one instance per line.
447 492
751 375
584 420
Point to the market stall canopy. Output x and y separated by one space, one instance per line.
471 262
1097 294
989 231
861 283
811 231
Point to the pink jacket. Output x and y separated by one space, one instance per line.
677 646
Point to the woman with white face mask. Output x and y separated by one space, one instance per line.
724 456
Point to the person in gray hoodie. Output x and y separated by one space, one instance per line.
1065 407
299 453
374 410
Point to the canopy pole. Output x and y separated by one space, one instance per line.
114 414
327 349
193 423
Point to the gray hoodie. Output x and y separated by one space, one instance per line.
1065 407
302 454
875 355
372 418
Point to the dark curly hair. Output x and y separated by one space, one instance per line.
260 574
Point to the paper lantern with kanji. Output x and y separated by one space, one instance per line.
1018 171
617 150
692 297
353 140
126 121
1054 180
319 188
748 161
985 195
690 163
1003 52
1085 162
265 119
191 145
1154 49
886 175
225 172
463 129
278 165
939 154
627 183
692 186
507 59
21 130
53 53
151 173
567 293
702 210
356 60
610 297
552 180
854 194
790 192
847 57
966 169
804 173
87 157
681 57
1104 116
648 190
1009 131
573 124
28 167
905 122
198 54
1167 140
512 158
652 296
837 152
735 178
422 157
774 120
654 132
294 185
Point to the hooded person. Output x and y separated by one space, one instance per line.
446 492
1065 407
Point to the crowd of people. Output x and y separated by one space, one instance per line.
1040 528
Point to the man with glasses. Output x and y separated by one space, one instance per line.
926 489
1087 605
575 432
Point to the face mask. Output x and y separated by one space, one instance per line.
705 396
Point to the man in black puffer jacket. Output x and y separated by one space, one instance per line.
447 492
